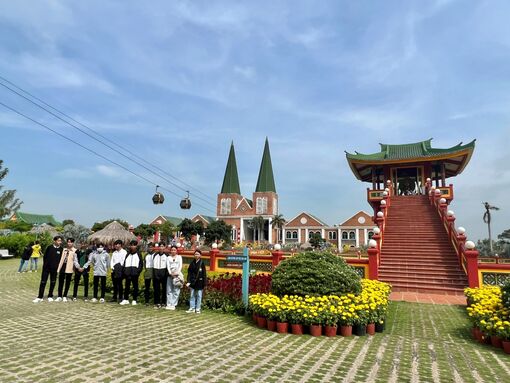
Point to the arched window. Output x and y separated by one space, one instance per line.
352 235
288 234
310 234
332 235
370 234
261 205
226 206
294 235
345 235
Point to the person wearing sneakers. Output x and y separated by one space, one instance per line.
65 270
51 260
100 260
133 265
118 257
36 254
25 257
160 276
196 281
81 268
174 267
149 272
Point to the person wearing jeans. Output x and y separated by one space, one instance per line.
51 260
25 257
100 260
173 286
196 281
36 254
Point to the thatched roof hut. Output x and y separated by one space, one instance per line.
112 232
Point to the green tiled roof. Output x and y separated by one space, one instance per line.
421 149
36 219
173 220
265 183
231 179
208 218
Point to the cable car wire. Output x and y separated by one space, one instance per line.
98 140
92 151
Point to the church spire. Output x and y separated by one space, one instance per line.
231 179
265 183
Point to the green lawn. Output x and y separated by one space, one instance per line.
85 342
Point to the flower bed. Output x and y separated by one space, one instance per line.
369 307
490 318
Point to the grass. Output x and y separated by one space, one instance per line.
79 342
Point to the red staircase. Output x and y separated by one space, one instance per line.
416 254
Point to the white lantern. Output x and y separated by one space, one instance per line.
372 243
428 180
438 192
387 190
470 245
442 200
388 182
385 193
277 247
383 203
178 245
380 214
461 230
433 188
214 245
376 230
450 213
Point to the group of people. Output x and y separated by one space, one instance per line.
162 268
31 253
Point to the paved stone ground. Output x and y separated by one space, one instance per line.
437 299
85 342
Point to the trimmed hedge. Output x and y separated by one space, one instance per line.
505 294
315 274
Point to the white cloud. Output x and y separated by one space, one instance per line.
247 72
73 173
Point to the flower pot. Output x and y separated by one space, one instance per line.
478 334
379 327
496 341
371 329
254 317
315 330
506 346
346 330
473 332
296 328
330 330
484 338
282 327
359 329
271 325
261 322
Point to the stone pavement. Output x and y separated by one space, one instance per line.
438 299
85 342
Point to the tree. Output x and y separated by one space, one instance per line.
316 240
17 226
144 231
68 222
278 221
218 231
258 223
167 230
101 225
8 203
188 228
78 232
487 220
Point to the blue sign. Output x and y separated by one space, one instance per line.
236 258
246 275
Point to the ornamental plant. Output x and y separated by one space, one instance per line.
505 294
315 274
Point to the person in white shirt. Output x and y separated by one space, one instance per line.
148 275
117 261
160 276
133 265
175 279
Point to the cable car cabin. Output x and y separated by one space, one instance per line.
185 203
158 198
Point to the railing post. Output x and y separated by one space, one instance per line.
461 240
212 257
377 238
472 264
277 254
450 219
373 260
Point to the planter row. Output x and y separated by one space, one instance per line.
317 330
494 340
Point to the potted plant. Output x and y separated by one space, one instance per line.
282 326
330 320
346 320
296 320
313 320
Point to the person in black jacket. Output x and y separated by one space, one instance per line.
196 281
51 261
81 269
25 257
133 265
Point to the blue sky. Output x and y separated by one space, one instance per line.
176 82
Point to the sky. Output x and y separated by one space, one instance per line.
176 82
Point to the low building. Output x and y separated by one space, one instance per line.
34 219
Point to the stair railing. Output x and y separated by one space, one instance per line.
467 255
375 244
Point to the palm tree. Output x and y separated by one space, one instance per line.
278 221
258 224
487 219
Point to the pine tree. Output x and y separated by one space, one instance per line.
8 203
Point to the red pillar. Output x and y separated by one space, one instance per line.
212 258
472 267
373 266
277 257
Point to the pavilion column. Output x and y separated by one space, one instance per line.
443 175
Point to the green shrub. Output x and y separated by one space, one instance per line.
17 242
505 294
315 274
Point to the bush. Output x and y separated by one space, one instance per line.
505 294
17 242
315 274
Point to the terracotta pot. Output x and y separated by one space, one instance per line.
296 328
346 330
282 327
261 322
330 330
496 341
485 338
371 329
478 335
271 325
359 329
315 330
473 332
254 317
506 346
379 327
